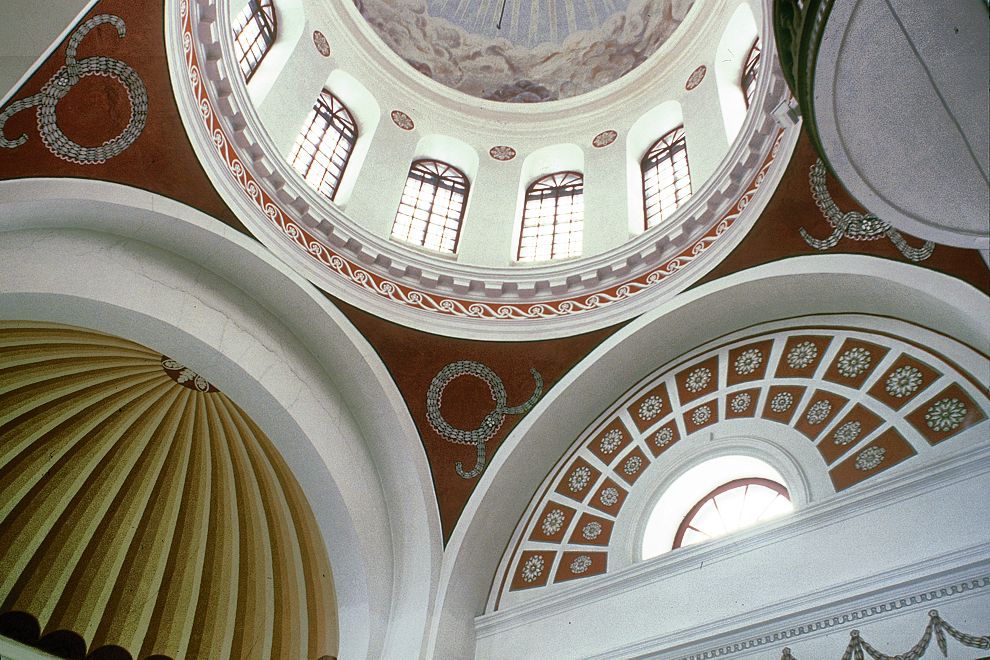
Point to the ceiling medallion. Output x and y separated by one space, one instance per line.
402 120
502 153
321 42
696 77
185 376
604 139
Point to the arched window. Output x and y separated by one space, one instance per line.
732 506
432 206
324 144
666 177
254 34
553 218
712 498
750 70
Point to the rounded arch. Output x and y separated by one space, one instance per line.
790 288
154 271
730 56
367 114
642 135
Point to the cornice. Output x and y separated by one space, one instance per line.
870 496
318 240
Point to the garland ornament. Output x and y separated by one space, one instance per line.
853 224
936 626
493 420
59 85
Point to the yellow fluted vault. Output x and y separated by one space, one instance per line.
141 509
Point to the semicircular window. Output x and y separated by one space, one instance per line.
553 218
432 206
666 177
732 506
324 144
254 33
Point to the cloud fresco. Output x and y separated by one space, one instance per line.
499 70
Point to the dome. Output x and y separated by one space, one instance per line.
465 328
523 51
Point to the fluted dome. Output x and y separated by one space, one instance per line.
143 511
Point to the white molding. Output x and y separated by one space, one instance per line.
910 587
141 266
873 495
554 285
10 93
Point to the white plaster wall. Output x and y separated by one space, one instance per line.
28 36
807 562
921 162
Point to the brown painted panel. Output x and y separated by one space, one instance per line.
742 403
533 569
801 356
782 402
889 449
748 362
697 380
574 565
664 437
854 362
632 466
650 408
858 424
552 523
578 479
701 416
946 414
592 530
609 498
822 408
906 379
608 444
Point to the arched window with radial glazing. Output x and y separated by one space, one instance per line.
324 144
736 505
666 177
254 33
553 218
432 206
751 70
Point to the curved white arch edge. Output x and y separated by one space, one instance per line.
801 286
160 273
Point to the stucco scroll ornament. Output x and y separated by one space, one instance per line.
59 85
493 420
853 224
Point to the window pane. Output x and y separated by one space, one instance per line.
254 34
735 505
553 218
666 177
432 206
324 144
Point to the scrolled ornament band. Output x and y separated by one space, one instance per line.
492 421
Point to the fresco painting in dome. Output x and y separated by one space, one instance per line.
543 51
